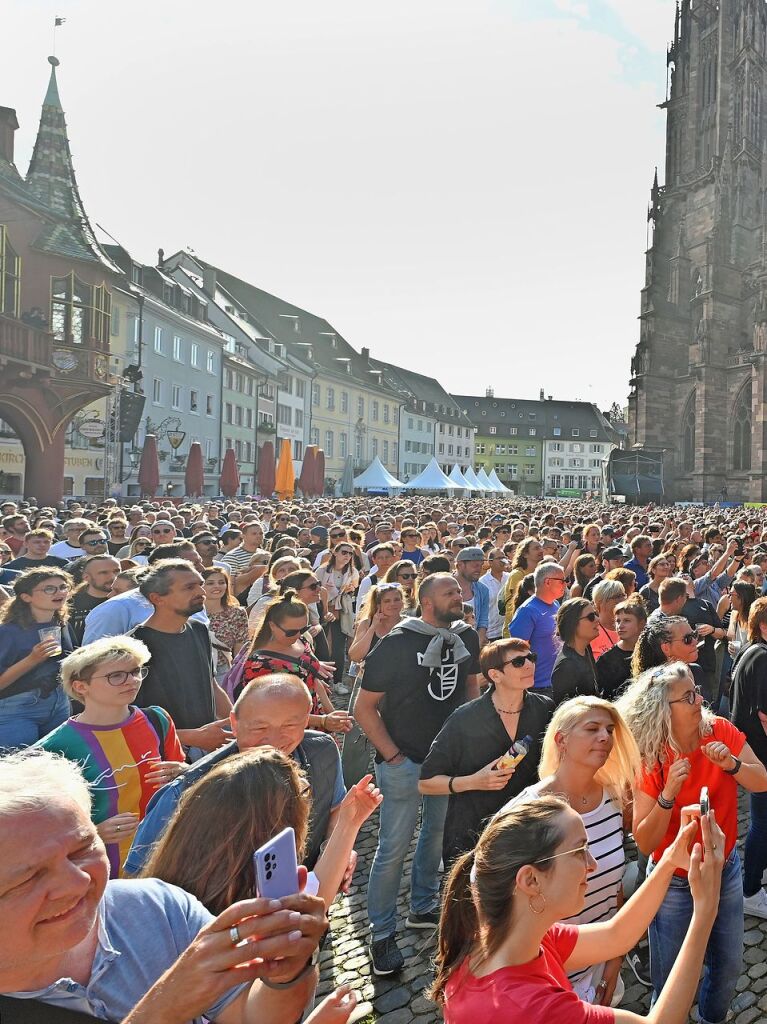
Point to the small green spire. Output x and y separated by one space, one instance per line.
52 95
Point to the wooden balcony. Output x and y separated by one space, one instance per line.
22 343
27 351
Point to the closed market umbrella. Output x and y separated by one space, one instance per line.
319 473
194 475
229 481
265 478
285 479
149 468
306 476
347 478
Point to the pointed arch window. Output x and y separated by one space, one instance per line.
688 436
80 313
741 442
10 276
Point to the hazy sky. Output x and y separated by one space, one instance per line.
460 185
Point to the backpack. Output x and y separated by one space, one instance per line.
157 724
33 1011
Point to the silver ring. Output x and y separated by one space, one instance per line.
234 935
117 828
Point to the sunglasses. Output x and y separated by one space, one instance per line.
591 616
406 575
209 543
171 530
336 536
344 551
291 633
312 586
690 638
520 660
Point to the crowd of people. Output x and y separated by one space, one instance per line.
561 701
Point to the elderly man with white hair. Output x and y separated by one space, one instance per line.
75 939
536 621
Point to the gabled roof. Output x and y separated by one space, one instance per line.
51 188
412 385
545 416
300 331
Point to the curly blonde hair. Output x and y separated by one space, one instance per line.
647 712
618 772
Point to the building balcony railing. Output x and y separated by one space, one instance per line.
39 352
24 343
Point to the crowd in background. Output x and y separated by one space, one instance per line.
561 701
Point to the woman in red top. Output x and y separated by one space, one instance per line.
503 956
683 748
280 646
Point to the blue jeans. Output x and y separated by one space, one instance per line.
26 717
755 859
723 960
399 817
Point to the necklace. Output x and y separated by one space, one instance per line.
505 711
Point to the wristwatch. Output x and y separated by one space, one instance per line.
735 768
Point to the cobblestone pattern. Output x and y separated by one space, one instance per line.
401 1000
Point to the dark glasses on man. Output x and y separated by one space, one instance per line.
520 660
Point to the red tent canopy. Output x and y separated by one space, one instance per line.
266 470
306 478
149 469
194 476
229 481
318 480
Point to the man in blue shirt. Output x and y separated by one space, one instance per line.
468 568
536 621
641 550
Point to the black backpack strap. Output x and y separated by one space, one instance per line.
156 722
32 1011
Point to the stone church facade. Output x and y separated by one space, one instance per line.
699 373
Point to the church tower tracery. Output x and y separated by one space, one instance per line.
698 377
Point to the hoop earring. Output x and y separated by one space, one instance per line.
530 903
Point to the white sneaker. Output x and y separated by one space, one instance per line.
756 905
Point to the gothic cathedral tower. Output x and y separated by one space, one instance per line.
698 378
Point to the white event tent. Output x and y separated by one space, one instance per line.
498 484
432 479
474 483
484 479
458 478
377 477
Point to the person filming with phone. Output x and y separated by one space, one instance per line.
683 748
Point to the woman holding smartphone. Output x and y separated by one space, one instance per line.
684 747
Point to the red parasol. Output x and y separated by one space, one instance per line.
230 475
194 475
319 473
149 469
266 470
307 470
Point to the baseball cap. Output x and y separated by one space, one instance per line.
470 555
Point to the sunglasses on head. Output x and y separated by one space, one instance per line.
520 660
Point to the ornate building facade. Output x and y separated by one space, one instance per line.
699 374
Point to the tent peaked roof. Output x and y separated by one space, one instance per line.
376 476
431 479
474 483
458 478
484 479
497 483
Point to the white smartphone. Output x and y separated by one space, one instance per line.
276 866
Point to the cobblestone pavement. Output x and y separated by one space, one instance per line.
401 999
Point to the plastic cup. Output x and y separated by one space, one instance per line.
51 633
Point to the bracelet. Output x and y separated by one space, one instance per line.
450 782
393 757
667 805
324 723
279 985
736 767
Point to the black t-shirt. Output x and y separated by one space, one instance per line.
24 562
418 700
650 598
180 675
748 696
573 675
79 607
472 737
613 672
699 613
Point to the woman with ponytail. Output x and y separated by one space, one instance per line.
504 954
279 645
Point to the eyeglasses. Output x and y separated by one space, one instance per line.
556 579
584 851
591 616
120 678
209 543
691 697
520 660
51 589
690 638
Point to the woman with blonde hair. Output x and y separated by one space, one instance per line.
280 568
590 757
683 748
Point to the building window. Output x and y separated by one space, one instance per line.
492 430
358 446
314 436
741 448
593 433
285 415
386 413
688 436
210 361
344 401
343 445
298 450
529 451
194 355
79 312
360 407
238 415
374 447
394 452
315 394
178 353
227 412
158 343
209 406
331 398
299 417
10 276
576 432
480 449
557 433
375 410
532 431
513 431
193 401
300 388
555 481
385 452
157 391
175 399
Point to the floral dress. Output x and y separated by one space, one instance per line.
305 666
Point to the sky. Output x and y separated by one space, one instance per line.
459 185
